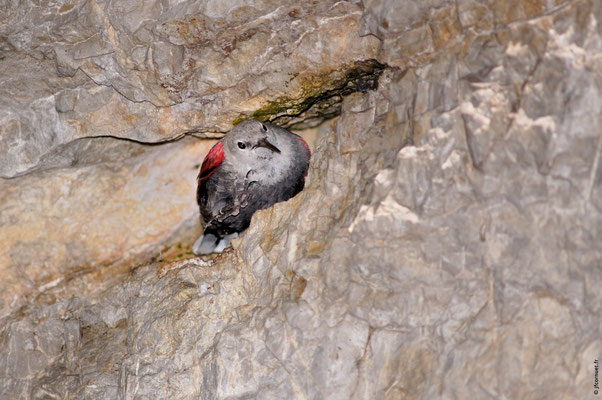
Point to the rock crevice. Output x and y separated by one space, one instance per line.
446 244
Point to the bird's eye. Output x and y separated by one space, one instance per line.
241 145
265 128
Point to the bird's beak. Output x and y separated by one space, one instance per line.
264 143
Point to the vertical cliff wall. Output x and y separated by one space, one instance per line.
447 244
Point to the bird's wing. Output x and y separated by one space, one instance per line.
212 161
301 182
305 144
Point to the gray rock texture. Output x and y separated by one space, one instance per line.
103 201
156 71
447 244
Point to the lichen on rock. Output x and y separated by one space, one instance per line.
320 96
446 244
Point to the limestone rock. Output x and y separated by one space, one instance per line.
446 245
107 206
157 71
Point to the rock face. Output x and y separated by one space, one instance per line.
157 71
447 244
60 221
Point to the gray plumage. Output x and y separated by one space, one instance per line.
251 168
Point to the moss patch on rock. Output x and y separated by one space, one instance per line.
320 96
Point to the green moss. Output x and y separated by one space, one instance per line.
360 76
239 119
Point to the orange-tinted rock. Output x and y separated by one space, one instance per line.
58 221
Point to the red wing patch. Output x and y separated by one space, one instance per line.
305 144
309 152
212 160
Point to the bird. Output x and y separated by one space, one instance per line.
254 166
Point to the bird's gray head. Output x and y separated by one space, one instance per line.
251 145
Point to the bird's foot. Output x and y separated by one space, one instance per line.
205 244
209 243
225 242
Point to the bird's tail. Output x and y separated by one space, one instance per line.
209 243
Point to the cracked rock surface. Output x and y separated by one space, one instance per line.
156 71
447 243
